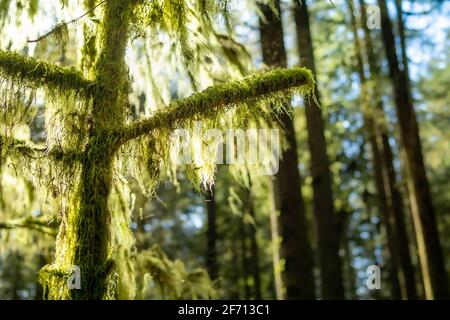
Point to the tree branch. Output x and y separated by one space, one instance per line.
37 224
36 152
22 147
43 74
64 24
210 103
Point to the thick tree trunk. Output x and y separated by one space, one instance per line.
295 246
330 264
85 236
211 235
429 246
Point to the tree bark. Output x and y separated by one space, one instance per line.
347 268
389 198
211 235
84 239
244 259
254 250
429 246
330 264
295 246
278 281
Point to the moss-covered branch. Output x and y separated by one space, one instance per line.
11 146
213 101
33 223
39 73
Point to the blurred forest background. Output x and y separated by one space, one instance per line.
357 185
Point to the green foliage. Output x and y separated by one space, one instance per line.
178 19
171 277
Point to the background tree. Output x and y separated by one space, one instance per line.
298 270
330 264
430 251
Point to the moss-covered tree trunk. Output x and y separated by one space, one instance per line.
330 264
84 238
430 250
295 245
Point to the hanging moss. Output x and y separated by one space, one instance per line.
39 73
211 102
171 277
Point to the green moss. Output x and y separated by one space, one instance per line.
85 237
32 223
212 102
171 277
38 73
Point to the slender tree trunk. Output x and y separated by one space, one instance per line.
235 292
295 246
244 259
389 197
278 281
84 239
254 250
347 267
405 63
429 246
330 264
402 35
211 234
389 173
351 276
16 274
